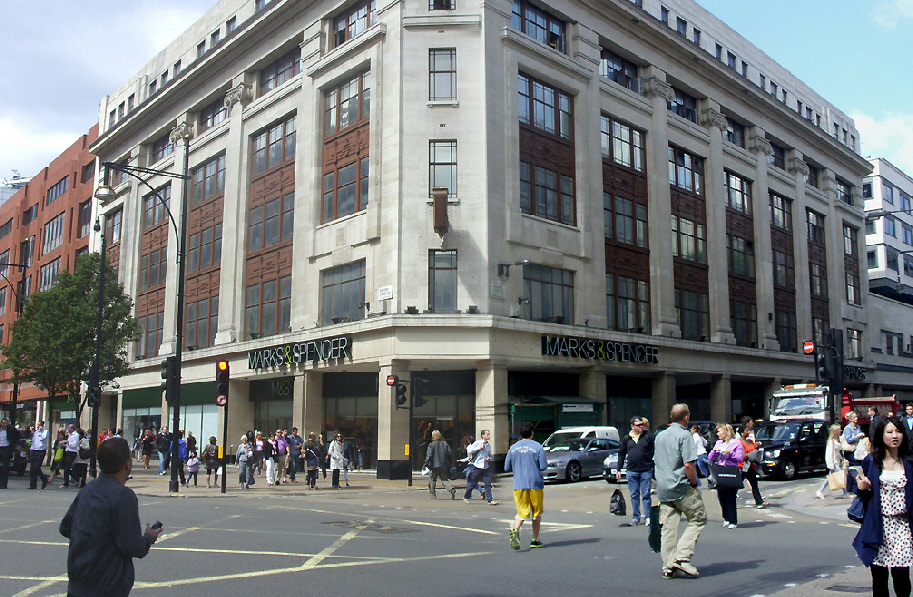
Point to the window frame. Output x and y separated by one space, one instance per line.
443 280
543 291
436 76
436 167
351 282
354 21
279 71
554 28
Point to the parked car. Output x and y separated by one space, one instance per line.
791 447
577 458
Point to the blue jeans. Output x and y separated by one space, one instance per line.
163 461
703 465
639 488
475 474
292 466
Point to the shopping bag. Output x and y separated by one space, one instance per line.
654 537
862 449
727 476
837 480
617 504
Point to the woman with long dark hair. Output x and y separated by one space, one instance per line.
884 542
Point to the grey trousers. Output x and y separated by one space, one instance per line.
444 473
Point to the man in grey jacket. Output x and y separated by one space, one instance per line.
103 525
439 458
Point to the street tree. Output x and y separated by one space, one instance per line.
53 341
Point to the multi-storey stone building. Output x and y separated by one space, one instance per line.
641 208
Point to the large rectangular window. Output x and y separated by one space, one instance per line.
48 274
280 70
550 292
785 325
743 317
784 270
624 220
442 166
686 171
113 226
735 132
545 193
689 240
442 281
850 244
853 343
162 148
442 79
622 143
202 323
740 256
347 104
84 219
818 280
691 309
354 21
781 212
53 235
150 335
627 304
738 193
852 289
213 114
273 146
343 293
57 190
208 180
684 105
153 269
622 71
545 107
268 307
538 24
204 249
815 223
270 223
156 207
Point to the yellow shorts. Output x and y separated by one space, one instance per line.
529 501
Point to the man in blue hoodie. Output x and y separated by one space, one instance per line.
526 459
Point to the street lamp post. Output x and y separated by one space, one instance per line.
95 376
105 193
14 405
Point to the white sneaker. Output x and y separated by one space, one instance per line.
725 524
733 526
647 521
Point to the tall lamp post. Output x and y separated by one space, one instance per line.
14 405
105 193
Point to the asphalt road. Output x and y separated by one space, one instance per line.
382 538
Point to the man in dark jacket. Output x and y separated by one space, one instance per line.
439 458
637 447
106 509
9 437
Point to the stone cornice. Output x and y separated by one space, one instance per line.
797 165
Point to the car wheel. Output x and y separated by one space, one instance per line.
789 471
572 473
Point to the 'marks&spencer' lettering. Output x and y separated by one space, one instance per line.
599 350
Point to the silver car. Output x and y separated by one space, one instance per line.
578 458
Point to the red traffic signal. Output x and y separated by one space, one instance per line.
392 380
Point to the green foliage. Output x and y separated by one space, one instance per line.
53 341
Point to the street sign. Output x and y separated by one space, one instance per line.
808 347
221 400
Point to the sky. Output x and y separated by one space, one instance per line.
60 57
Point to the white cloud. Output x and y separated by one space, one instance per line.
24 147
889 13
888 136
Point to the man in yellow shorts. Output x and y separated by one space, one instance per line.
526 459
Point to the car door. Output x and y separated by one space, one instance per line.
818 445
592 457
804 447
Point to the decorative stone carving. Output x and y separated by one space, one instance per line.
182 131
240 94
710 117
761 144
654 87
797 165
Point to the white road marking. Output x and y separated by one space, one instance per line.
29 526
38 587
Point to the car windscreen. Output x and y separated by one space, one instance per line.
785 432
791 404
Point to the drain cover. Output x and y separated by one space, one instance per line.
369 526
849 589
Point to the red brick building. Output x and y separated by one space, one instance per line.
45 226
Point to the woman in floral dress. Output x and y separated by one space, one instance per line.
884 542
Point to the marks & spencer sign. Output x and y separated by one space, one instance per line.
329 349
599 350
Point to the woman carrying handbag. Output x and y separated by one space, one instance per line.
727 452
885 487
833 458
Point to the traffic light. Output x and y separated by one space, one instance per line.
93 396
419 389
223 375
401 391
169 377
824 365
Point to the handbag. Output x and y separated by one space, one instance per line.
617 504
727 476
85 453
655 535
846 446
837 480
58 454
863 447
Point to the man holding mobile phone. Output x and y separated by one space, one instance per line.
106 508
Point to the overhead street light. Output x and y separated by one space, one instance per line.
105 194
